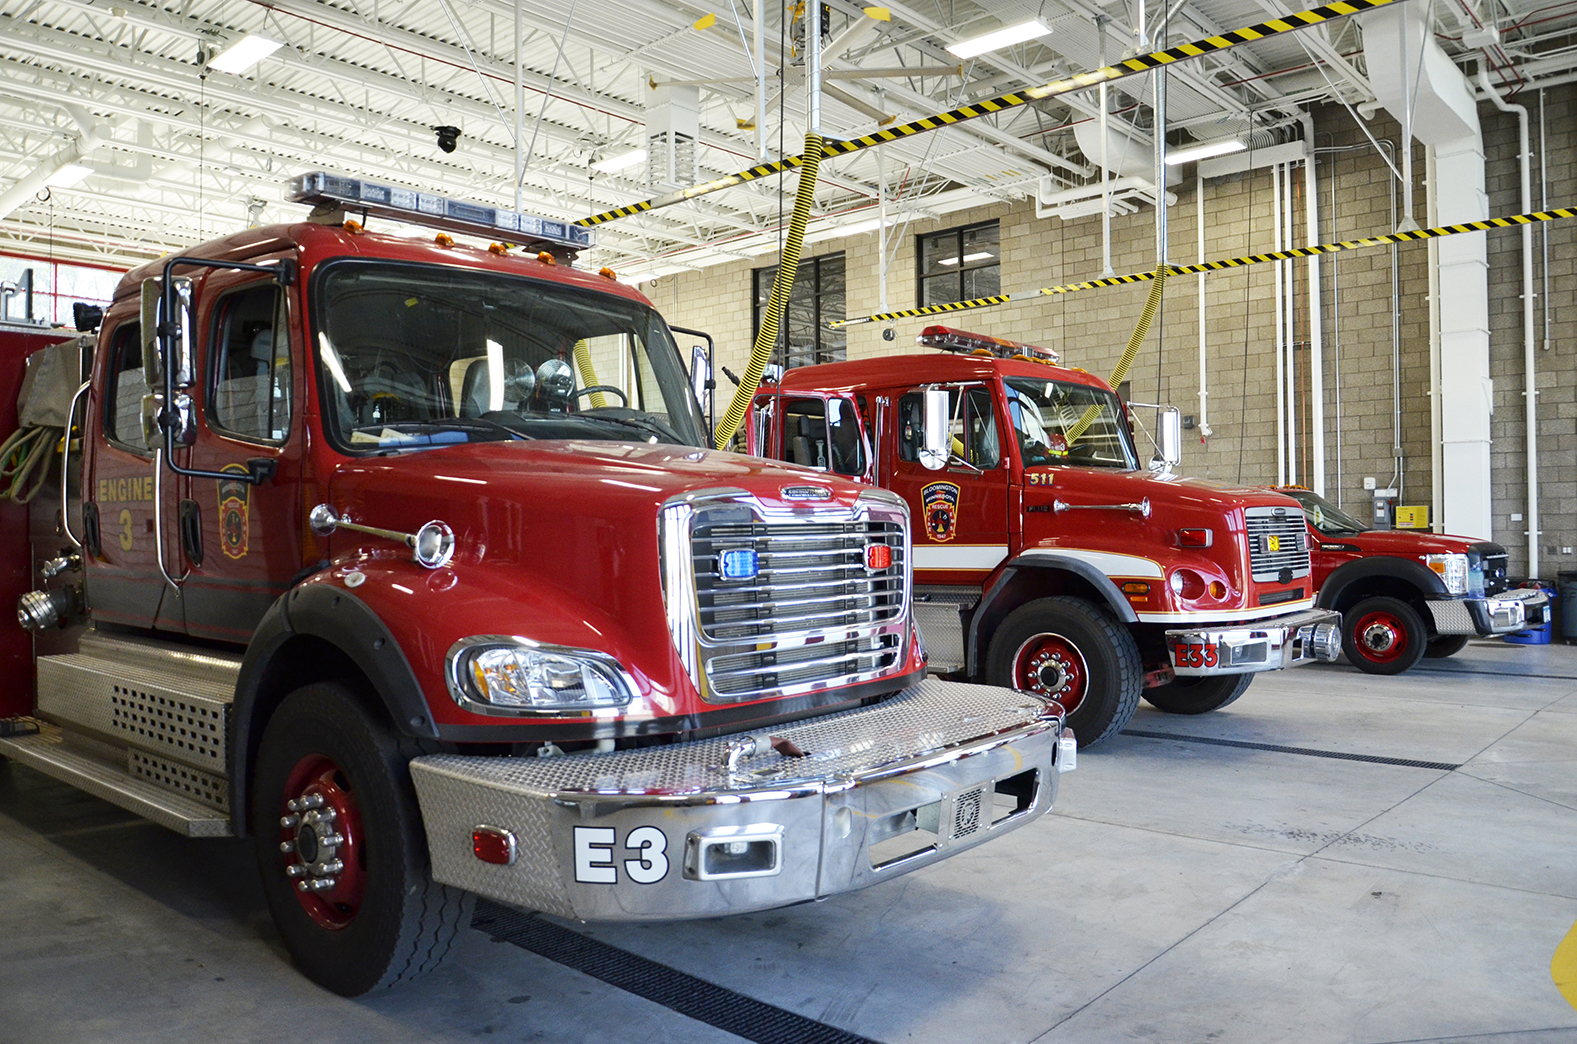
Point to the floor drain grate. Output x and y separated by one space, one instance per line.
1371 759
696 998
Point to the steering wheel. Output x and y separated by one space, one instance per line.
624 400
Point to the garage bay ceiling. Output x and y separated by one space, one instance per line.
122 135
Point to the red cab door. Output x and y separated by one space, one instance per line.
959 512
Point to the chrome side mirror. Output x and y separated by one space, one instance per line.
1168 439
177 350
152 360
701 377
936 441
182 418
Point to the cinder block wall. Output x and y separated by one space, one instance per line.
1367 368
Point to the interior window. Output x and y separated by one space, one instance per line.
123 406
250 363
973 427
823 434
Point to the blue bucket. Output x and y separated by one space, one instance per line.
1542 634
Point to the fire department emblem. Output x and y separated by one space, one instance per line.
940 503
234 512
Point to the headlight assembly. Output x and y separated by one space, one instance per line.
499 674
1452 570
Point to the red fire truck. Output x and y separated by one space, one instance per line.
409 561
1046 558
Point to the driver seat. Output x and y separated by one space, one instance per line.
476 390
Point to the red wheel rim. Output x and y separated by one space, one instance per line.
1381 637
1051 666
320 842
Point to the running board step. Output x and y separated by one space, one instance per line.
47 753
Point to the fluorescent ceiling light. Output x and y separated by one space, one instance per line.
244 53
1001 38
967 258
1205 151
69 175
617 163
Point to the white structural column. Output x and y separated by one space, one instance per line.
1316 321
1446 120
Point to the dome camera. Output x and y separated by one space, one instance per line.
448 137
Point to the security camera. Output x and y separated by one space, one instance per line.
448 137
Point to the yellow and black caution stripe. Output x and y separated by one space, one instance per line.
1129 67
1323 248
911 313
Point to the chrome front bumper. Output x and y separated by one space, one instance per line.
1312 636
1505 613
715 827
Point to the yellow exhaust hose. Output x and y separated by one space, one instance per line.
1152 305
788 267
587 374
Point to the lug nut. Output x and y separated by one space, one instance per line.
295 870
289 822
287 847
310 817
293 805
312 801
332 840
326 816
328 867
321 884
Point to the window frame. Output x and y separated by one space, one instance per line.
758 301
131 327
921 279
210 357
964 390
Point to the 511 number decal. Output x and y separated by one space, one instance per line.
1196 654
594 862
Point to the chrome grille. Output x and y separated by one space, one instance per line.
1494 562
812 578
795 609
1279 526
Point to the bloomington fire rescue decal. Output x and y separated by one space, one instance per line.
940 501
234 512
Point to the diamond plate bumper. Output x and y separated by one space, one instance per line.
1312 636
1505 613
666 833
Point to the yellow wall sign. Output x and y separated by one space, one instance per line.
1412 516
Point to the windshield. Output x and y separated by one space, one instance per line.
1325 516
1062 423
412 355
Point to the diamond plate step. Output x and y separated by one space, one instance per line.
47 753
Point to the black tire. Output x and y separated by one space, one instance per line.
1197 695
398 924
1383 635
1445 645
1113 673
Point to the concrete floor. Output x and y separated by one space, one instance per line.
1182 892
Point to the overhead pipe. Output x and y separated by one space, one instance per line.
1204 395
29 185
1530 385
1316 320
1288 273
1281 362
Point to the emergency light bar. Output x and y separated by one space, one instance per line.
950 340
434 211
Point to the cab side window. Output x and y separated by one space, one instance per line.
123 404
822 433
974 428
250 366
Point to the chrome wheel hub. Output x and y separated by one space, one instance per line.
1053 672
1379 637
316 844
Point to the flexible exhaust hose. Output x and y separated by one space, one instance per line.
1152 305
782 287
588 375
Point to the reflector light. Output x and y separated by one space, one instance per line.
493 845
950 340
1194 537
739 563
1136 587
878 557
435 211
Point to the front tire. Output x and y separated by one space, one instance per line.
1383 635
1445 645
1072 651
1197 695
340 846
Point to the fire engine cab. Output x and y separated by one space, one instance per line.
1046 557
410 562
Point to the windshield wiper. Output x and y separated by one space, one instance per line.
633 419
444 424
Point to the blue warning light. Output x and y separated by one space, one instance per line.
739 563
